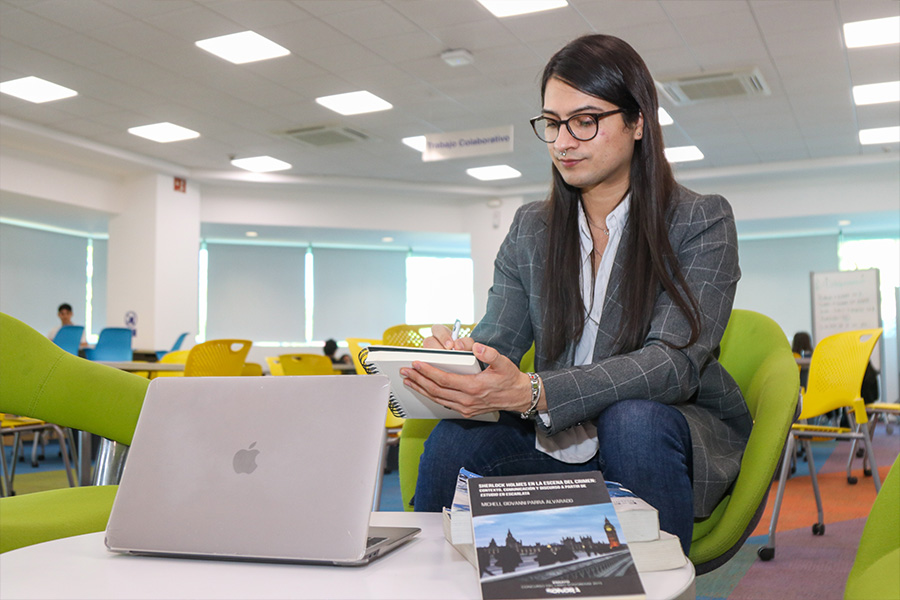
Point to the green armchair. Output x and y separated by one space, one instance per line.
876 571
38 379
757 354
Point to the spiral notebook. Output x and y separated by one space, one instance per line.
407 404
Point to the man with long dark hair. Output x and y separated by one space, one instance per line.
624 282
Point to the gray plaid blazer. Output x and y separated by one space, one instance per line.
703 236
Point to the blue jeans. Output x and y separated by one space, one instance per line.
644 445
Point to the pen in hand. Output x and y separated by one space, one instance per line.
454 335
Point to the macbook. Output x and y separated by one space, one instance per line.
256 468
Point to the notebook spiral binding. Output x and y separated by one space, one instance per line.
371 369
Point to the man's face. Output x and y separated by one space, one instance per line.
65 316
604 160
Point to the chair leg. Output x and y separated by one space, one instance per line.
767 552
819 527
4 483
870 456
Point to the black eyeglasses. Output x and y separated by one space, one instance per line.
583 127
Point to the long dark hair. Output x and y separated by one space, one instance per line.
608 68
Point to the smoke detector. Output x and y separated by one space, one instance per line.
457 58
713 86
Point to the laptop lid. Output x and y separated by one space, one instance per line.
265 468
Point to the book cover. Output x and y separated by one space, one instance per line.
547 536
407 404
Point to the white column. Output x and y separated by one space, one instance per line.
153 268
488 224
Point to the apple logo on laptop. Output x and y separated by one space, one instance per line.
245 460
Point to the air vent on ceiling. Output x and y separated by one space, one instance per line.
326 136
712 86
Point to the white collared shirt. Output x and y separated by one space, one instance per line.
579 443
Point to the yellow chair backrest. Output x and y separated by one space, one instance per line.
357 344
306 364
414 335
836 371
178 357
274 365
217 358
252 369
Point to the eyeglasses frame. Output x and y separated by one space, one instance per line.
596 116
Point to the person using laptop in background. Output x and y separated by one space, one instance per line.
624 281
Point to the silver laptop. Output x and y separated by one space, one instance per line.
256 468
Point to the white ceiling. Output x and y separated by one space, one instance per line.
134 62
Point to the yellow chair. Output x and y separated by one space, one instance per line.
252 369
178 357
274 365
217 358
835 377
306 364
414 335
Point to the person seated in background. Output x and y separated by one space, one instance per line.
64 312
331 352
801 346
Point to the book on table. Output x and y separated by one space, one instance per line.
404 402
651 549
546 536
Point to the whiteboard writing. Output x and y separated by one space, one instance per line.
845 301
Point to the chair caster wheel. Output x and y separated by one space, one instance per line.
852 480
867 472
818 529
766 553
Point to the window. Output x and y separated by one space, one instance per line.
439 290
882 254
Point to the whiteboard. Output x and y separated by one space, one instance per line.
844 301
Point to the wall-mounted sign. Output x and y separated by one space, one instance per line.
475 142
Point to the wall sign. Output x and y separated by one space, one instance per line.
474 142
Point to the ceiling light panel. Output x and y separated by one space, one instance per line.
879 135
510 8
664 117
260 164
679 154
35 89
243 47
164 132
354 103
416 142
493 173
876 93
875 32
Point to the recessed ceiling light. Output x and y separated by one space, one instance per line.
416 142
509 8
493 173
260 164
243 47
457 58
164 132
843 223
354 103
387 239
251 234
35 89
879 135
664 117
683 154
876 93
875 32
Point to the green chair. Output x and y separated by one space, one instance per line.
757 354
876 571
40 380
